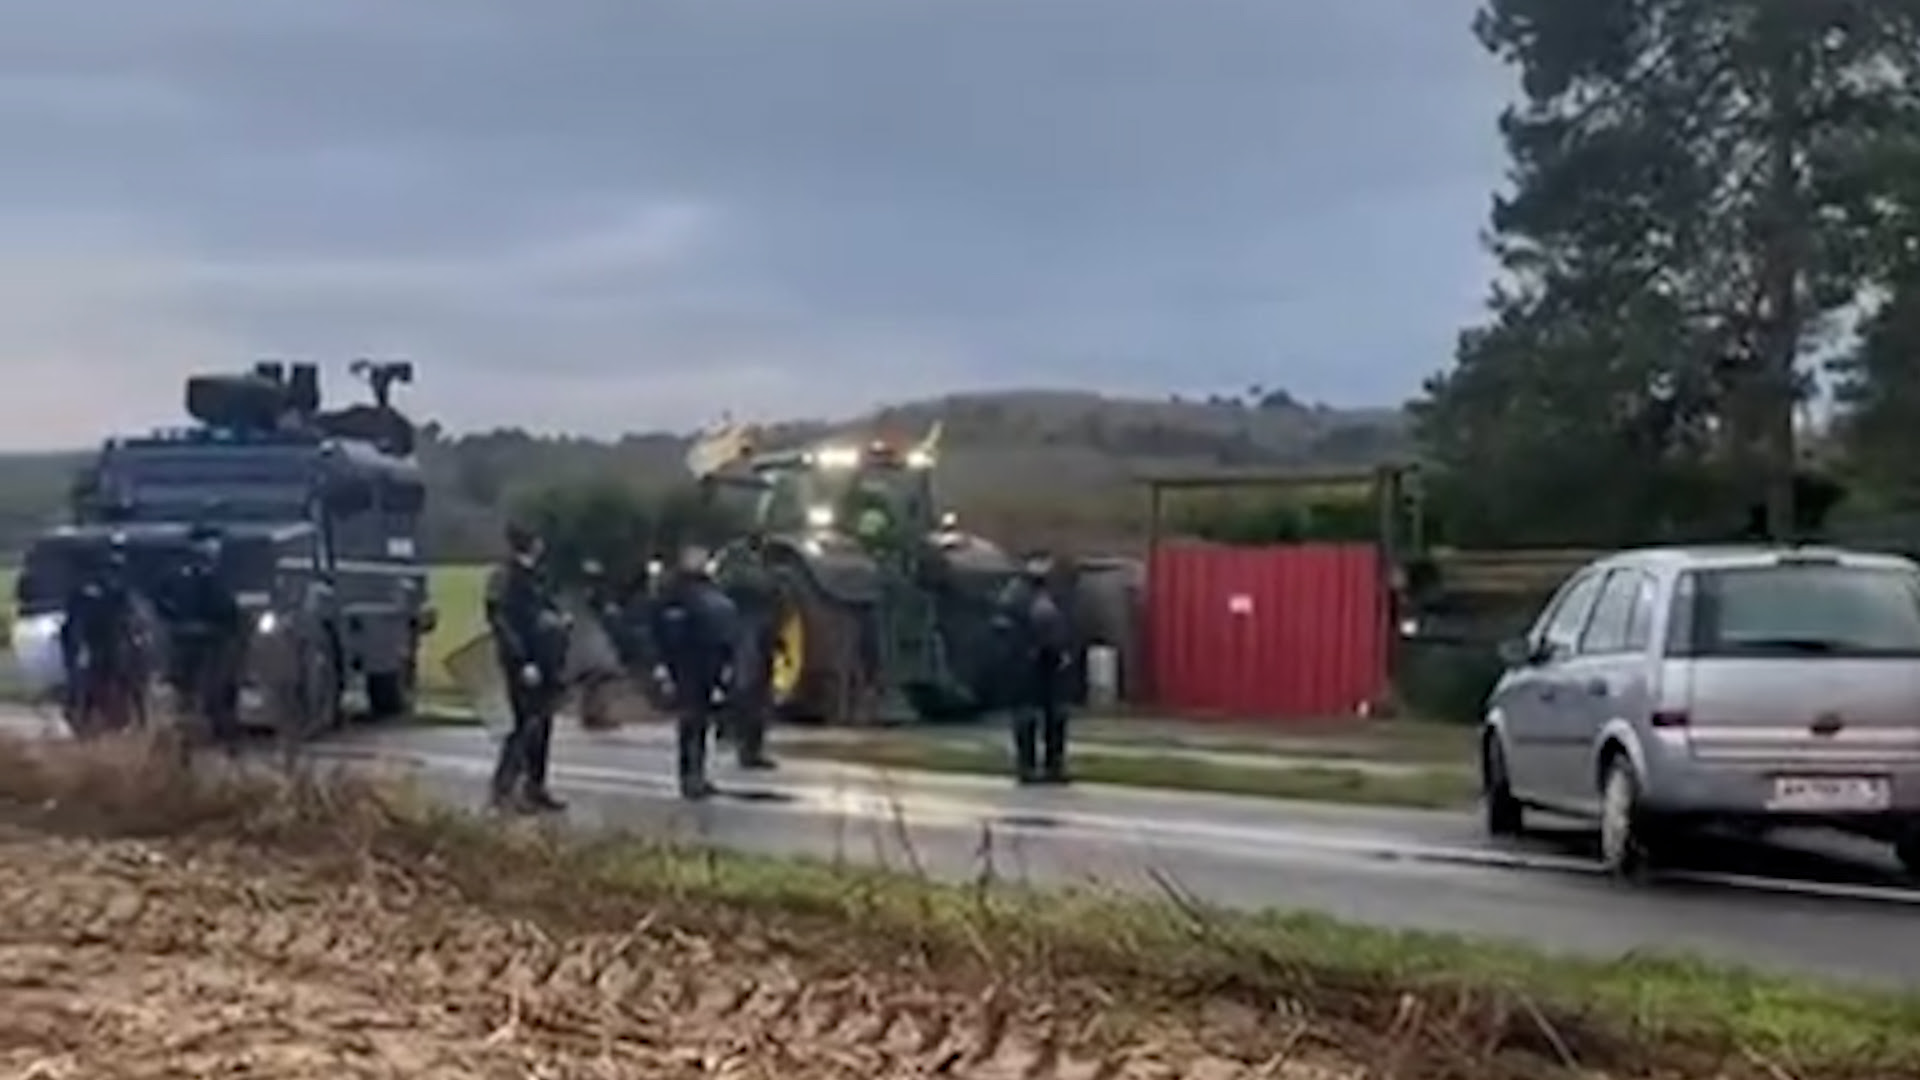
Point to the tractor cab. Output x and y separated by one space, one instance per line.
875 494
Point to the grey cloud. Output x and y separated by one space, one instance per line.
608 213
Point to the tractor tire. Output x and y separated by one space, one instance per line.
817 676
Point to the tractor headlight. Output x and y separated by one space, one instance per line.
919 459
820 517
837 457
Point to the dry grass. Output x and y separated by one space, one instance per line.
166 920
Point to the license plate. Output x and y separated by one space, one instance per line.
1831 793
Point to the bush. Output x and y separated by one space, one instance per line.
1446 681
1254 523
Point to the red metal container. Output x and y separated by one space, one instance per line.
1268 633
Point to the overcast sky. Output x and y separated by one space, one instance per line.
602 215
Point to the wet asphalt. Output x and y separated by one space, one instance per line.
1810 905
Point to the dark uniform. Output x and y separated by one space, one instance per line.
530 641
208 632
99 647
1037 639
756 597
695 629
601 598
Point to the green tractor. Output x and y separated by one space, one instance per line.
885 607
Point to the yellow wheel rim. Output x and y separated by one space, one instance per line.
789 652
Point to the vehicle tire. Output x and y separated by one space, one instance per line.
1629 843
311 695
390 693
816 668
1504 815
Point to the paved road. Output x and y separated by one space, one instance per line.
1390 868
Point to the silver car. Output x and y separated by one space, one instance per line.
1755 686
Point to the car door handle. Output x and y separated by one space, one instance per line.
1599 687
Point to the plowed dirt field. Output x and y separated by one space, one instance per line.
123 959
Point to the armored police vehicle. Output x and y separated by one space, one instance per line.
319 514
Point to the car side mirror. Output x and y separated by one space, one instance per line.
1520 652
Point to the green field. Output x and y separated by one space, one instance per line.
456 592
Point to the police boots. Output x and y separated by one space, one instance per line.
691 751
1026 745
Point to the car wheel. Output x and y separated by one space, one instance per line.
1627 845
1504 814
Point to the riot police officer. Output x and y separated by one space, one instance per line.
99 645
530 634
756 596
1036 637
208 632
696 630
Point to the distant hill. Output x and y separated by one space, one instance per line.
1046 443
1023 459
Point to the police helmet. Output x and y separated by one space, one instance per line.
522 539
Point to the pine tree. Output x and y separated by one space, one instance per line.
1692 199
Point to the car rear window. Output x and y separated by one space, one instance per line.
1800 610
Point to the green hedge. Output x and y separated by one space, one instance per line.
1446 681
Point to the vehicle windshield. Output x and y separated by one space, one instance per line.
874 499
1805 610
222 502
224 484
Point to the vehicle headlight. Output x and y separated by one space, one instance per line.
820 517
36 652
267 623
